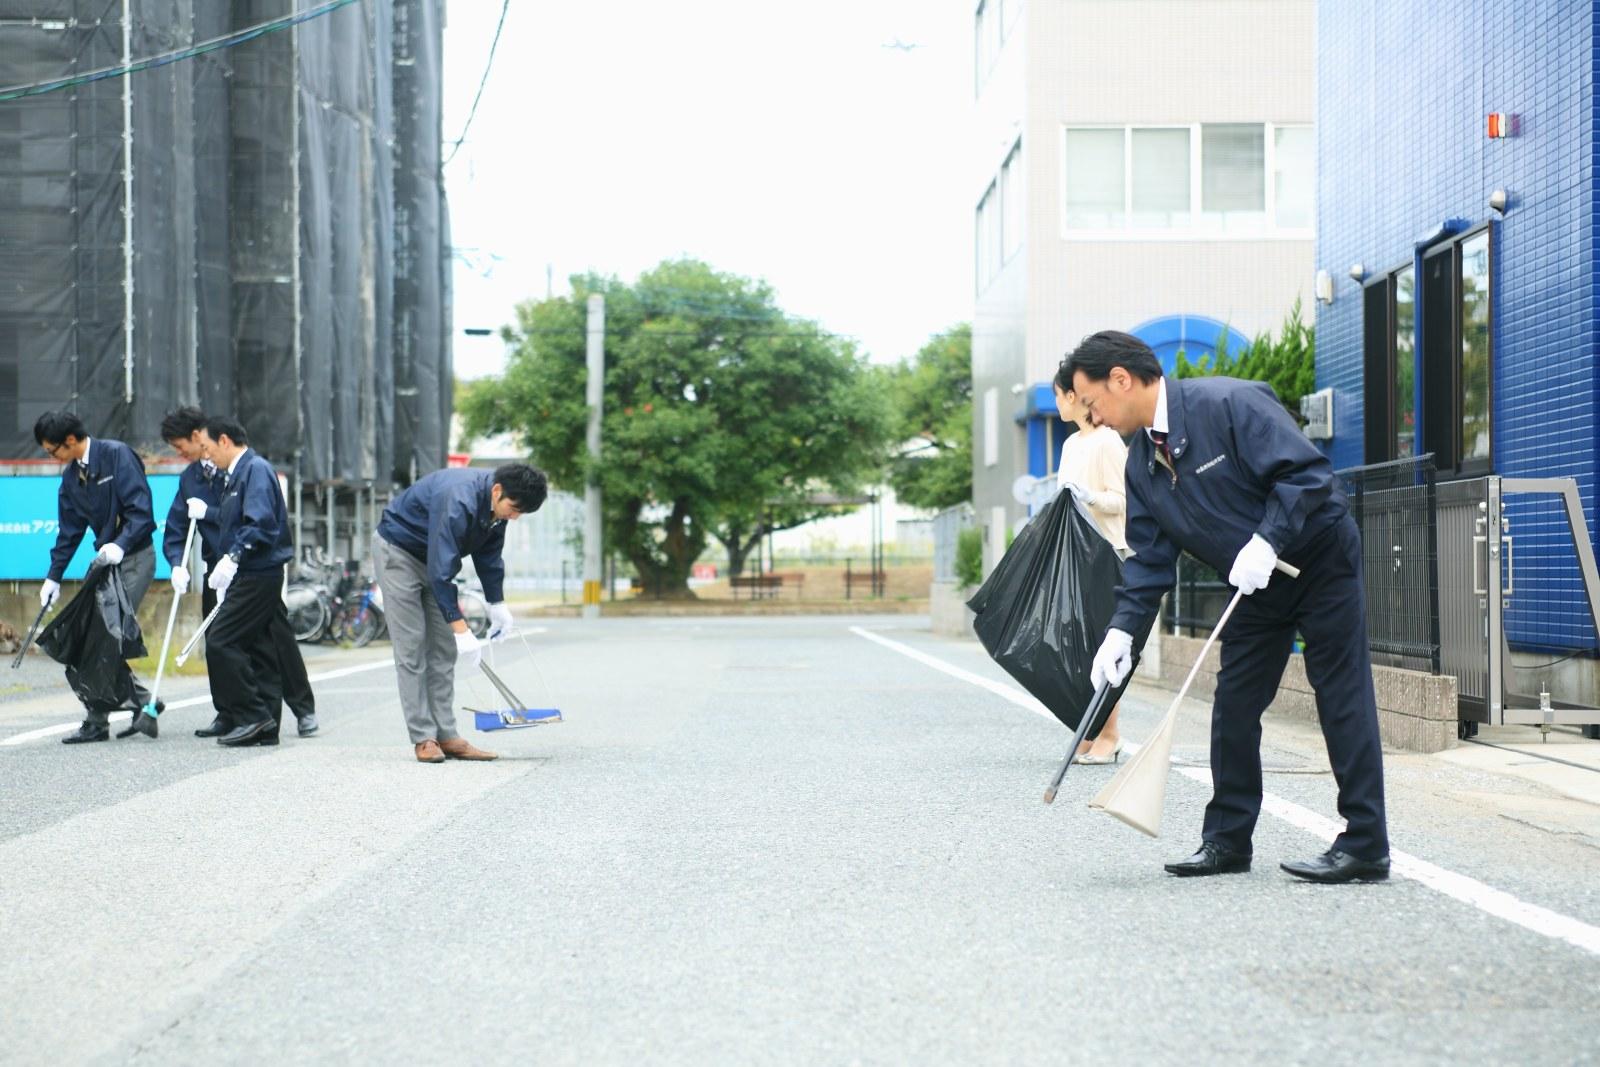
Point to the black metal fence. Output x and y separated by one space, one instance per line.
1395 505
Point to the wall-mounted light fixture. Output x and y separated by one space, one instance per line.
1358 272
1324 287
1499 200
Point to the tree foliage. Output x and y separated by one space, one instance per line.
723 417
932 424
1287 362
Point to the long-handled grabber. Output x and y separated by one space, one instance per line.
188 649
1096 709
1137 793
33 631
145 720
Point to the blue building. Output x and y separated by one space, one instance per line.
1456 257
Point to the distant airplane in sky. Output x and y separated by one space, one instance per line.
901 46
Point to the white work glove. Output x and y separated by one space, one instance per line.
468 650
1090 499
49 593
1114 660
197 508
222 575
500 621
180 580
1252 568
110 554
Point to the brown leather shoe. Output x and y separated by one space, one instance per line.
428 752
459 748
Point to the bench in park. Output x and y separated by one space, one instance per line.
763 586
876 581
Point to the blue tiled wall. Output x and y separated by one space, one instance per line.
1404 89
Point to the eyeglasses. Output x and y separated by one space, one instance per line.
52 450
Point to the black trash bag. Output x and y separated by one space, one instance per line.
1044 611
94 636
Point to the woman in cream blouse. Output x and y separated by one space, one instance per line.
1092 463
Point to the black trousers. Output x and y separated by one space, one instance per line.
291 665
1327 605
241 651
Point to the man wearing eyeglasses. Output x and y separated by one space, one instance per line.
104 491
1219 469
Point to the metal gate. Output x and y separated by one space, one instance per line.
1477 583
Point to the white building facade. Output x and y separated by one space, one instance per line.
1141 165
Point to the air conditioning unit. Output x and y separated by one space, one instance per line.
1317 410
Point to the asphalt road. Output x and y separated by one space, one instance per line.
755 841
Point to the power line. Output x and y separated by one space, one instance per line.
230 40
487 66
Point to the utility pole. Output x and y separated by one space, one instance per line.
591 493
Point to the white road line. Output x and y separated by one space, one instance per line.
191 702
1485 898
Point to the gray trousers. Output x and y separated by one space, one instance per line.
424 646
138 568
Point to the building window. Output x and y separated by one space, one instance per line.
1451 310
1159 190
1011 213
987 230
991 426
1233 186
992 27
1248 180
1475 385
1293 177
1096 179
1403 429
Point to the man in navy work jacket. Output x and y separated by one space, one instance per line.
423 536
103 491
198 500
242 644
1217 468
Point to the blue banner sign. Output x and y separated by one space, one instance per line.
28 525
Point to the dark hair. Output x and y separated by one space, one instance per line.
57 426
1099 352
219 425
524 486
180 425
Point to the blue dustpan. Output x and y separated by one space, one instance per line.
517 717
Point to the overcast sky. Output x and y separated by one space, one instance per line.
778 140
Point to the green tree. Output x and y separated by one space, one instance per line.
932 423
723 417
1287 362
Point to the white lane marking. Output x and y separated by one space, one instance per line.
1470 891
191 702
1005 692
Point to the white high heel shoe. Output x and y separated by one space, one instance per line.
1090 758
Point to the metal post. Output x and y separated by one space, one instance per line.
333 539
591 492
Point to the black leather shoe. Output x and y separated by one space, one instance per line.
87 732
142 723
1335 866
251 733
1211 859
308 724
216 729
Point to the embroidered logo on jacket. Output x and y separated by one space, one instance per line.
1208 464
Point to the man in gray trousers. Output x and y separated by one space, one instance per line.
423 536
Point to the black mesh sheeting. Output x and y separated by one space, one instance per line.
262 235
421 351
212 76
265 186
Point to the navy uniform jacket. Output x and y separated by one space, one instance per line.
111 497
444 517
254 521
195 481
1240 466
